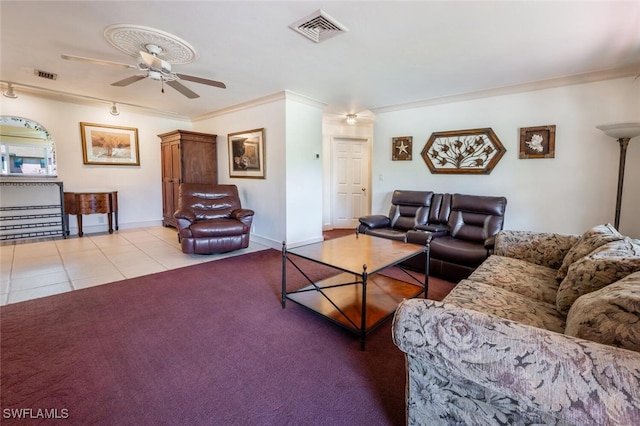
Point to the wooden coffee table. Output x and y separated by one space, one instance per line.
358 297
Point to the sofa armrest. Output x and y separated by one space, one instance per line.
574 380
541 248
436 229
490 244
375 221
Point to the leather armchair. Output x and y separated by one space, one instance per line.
211 220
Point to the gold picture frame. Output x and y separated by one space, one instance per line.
109 145
401 148
538 142
247 154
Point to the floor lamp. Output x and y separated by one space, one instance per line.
623 132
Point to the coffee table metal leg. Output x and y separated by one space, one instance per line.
284 274
363 323
426 268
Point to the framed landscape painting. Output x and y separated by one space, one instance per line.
109 145
246 154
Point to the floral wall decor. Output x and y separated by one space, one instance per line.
474 151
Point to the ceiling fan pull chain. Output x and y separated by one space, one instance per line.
162 80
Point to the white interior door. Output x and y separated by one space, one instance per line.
350 181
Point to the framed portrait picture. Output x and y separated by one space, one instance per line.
109 145
401 148
538 142
246 154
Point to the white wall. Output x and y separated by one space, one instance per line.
265 196
569 193
303 163
287 200
139 187
337 128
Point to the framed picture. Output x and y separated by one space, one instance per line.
473 151
109 145
246 154
401 148
538 142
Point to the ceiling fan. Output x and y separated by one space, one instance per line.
155 68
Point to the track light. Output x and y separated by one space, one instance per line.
352 118
9 93
114 109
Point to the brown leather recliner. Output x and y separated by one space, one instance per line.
211 220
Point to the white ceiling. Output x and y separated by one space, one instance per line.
394 52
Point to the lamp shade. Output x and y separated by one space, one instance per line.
621 130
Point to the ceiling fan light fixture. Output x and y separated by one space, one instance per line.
114 109
9 93
155 75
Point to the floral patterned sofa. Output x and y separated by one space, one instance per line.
545 331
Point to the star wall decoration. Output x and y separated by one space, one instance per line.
401 148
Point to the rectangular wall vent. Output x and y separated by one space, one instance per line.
318 26
47 75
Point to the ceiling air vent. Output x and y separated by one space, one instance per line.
318 26
45 74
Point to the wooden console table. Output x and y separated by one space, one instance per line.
90 202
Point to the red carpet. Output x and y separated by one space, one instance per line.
207 344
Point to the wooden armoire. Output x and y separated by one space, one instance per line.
187 157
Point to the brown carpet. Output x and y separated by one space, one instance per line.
207 344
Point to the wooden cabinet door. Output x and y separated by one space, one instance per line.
171 170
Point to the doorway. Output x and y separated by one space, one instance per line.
350 160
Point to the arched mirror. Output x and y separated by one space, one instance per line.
26 147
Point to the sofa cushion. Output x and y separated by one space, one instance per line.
610 315
217 228
588 242
388 233
519 276
603 266
449 249
497 301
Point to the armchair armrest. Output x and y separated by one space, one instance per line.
574 380
243 215
187 215
375 221
542 248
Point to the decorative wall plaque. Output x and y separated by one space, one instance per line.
463 151
538 142
401 148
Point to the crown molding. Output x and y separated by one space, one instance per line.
569 80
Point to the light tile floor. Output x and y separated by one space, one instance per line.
30 270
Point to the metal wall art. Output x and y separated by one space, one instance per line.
474 151
538 142
401 148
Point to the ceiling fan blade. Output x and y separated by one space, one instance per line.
155 63
98 62
183 89
202 81
129 80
